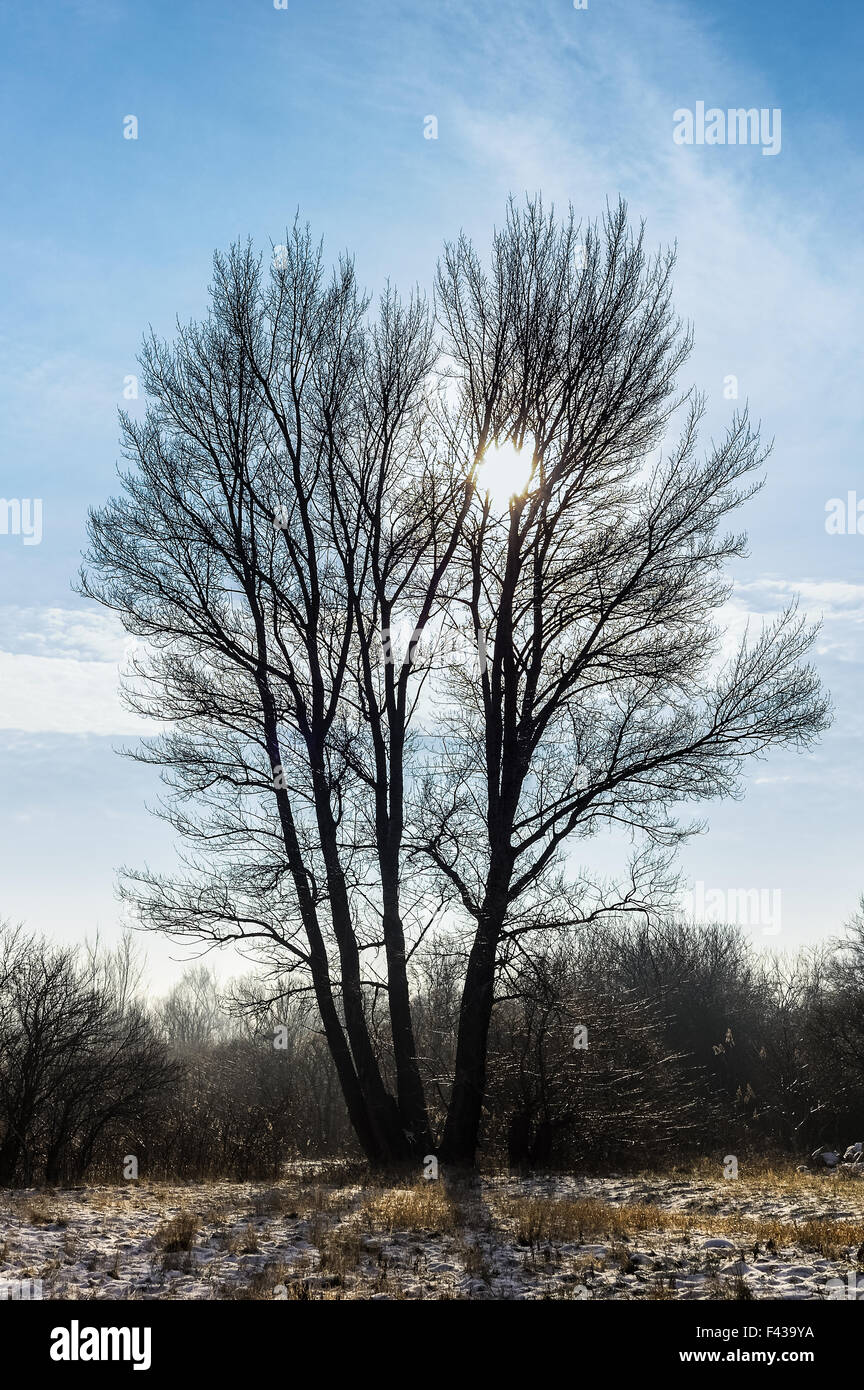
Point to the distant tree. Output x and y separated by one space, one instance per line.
190 1015
307 482
830 1049
79 1060
580 1069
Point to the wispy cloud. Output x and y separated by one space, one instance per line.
60 672
837 604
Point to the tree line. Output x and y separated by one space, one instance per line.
634 1045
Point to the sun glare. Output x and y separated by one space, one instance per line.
505 471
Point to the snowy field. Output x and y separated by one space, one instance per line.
322 1234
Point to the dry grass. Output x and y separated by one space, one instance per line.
249 1241
263 1283
271 1201
825 1236
426 1206
729 1289
349 1228
103 1198
181 1260
44 1211
541 1220
299 1291
318 1201
341 1251
476 1262
177 1234
661 1292
771 1176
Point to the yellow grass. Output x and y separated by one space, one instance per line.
178 1233
539 1220
427 1206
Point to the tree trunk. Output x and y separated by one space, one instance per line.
369 1107
462 1127
410 1094
382 1108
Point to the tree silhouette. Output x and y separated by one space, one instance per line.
304 538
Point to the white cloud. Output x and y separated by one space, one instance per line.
839 605
60 672
57 695
62 632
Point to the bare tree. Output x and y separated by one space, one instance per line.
190 1015
304 484
600 701
78 1057
580 1067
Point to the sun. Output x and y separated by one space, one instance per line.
505 471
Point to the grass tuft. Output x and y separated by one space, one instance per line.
177 1234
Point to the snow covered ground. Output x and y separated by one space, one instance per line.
324 1235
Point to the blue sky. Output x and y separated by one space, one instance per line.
246 113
